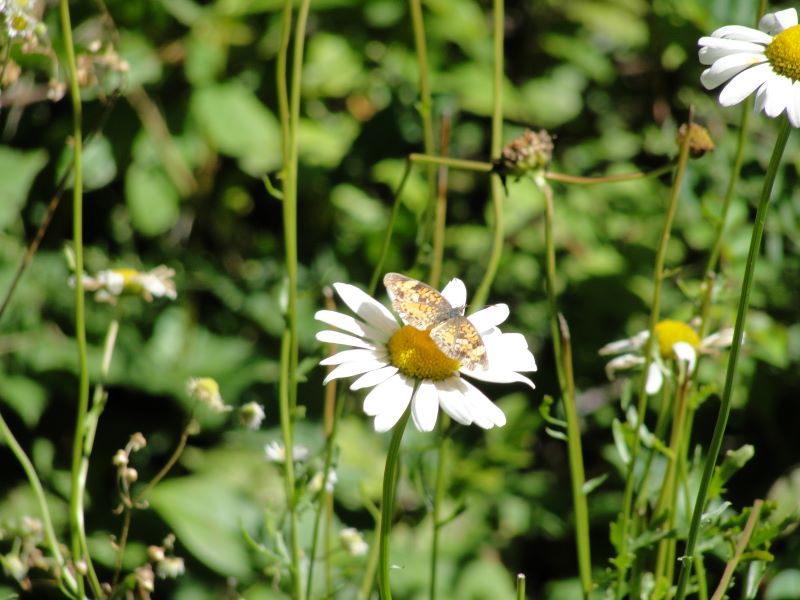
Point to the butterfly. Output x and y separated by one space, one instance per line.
424 308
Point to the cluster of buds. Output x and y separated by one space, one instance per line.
127 475
529 153
167 566
26 553
99 58
110 284
206 391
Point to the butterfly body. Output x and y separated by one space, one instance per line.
425 308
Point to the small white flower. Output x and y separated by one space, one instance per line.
403 365
251 415
276 452
766 62
206 391
108 285
353 542
315 485
676 341
170 567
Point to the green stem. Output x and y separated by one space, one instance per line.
76 491
438 499
738 332
482 293
390 475
329 448
93 420
578 180
66 579
455 163
387 240
741 546
440 218
520 586
641 405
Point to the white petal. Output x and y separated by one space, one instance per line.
499 376
349 369
728 66
394 409
655 379
509 352
489 317
793 105
744 34
630 344
720 339
686 353
366 307
485 413
455 292
342 339
744 84
351 355
761 98
778 92
351 325
623 363
425 406
712 49
373 378
782 20
387 393
451 399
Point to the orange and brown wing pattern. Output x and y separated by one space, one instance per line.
459 339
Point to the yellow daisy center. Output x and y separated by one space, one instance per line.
784 53
417 355
669 332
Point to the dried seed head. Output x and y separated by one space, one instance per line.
527 153
700 141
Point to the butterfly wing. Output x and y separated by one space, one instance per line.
417 303
458 339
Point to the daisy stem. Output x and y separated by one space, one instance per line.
520 586
76 517
453 163
562 355
741 546
387 240
438 499
479 300
289 109
738 332
579 180
623 558
390 475
440 217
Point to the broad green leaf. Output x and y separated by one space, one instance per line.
333 68
97 163
26 397
325 142
144 64
784 586
238 124
152 200
17 172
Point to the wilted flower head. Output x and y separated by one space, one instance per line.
251 415
276 452
764 60
110 284
170 567
700 141
675 342
353 542
206 391
421 362
527 153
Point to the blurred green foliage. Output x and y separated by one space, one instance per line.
172 169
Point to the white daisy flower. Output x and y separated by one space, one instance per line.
108 285
676 341
766 62
403 365
276 452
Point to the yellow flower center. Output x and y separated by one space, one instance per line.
669 332
417 355
784 53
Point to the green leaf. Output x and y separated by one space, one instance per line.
325 142
18 169
238 125
330 54
144 65
26 397
784 586
207 517
152 200
97 163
